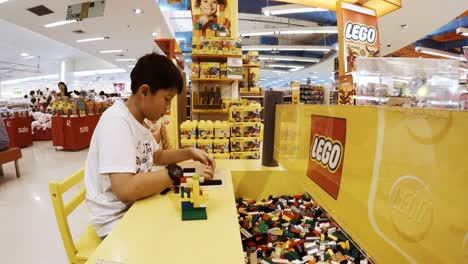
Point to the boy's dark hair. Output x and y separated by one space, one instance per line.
220 2
158 72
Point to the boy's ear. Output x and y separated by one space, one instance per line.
144 90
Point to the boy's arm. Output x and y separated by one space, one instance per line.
129 187
164 157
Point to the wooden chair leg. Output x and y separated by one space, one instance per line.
1 170
17 169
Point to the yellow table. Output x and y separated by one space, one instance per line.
152 230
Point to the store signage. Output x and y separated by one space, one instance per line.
86 10
327 150
84 129
22 130
358 34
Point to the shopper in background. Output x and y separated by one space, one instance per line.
63 89
4 140
122 152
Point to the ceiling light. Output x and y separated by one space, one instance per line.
404 25
90 73
291 30
113 51
462 31
3 1
125 60
288 58
154 34
137 11
60 23
24 54
287 47
29 57
440 53
283 65
43 77
260 33
92 39
289 9
131 66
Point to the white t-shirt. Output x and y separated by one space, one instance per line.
120 144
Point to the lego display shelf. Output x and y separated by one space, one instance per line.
213 57
214 80
210 111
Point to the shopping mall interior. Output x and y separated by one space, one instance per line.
333 131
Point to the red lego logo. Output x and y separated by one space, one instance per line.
327 149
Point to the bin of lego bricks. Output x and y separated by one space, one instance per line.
310 94
293 229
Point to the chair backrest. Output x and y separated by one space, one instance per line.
57 189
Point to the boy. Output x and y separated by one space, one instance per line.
123 151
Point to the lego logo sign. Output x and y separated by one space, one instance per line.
326 155
361 33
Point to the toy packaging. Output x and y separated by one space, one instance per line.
246 129
234 68
221 145
245 114
205 144
252 58
188 129
221 129
209 70
223 71
195 70
245 155
253 78
222 155
245 144
205 129
188 143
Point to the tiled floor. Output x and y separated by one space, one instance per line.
28 229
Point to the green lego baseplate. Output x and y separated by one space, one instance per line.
194 214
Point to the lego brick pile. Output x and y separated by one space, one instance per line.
293 229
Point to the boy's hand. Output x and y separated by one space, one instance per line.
204 171
203 157
204 19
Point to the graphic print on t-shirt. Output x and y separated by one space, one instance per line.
144 158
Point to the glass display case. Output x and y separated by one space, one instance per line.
408 82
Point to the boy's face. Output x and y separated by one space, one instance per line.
154 106
209 7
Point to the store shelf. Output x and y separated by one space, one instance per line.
250 66
251 96
209 111
214 80
214 56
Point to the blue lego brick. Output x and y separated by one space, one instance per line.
186 205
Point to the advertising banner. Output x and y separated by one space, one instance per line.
214 18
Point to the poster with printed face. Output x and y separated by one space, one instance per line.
358 35
214 18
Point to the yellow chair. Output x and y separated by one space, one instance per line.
88 241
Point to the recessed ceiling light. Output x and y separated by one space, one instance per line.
24 54
29 57
404 25
92 39
137 11
113 51
125 60
154 34
60 23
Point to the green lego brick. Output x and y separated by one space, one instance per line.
194 214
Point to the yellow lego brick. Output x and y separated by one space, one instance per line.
330 252
333 237
348 246
322 237
285 218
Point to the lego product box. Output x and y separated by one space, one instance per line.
205 144
245 114
188 143
209 70
222 155
246 129
223 71
221 145
221 129
205 129
245 155
252 58
245 144
195 70
253 78
234 68
188 129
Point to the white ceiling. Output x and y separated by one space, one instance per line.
125 29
